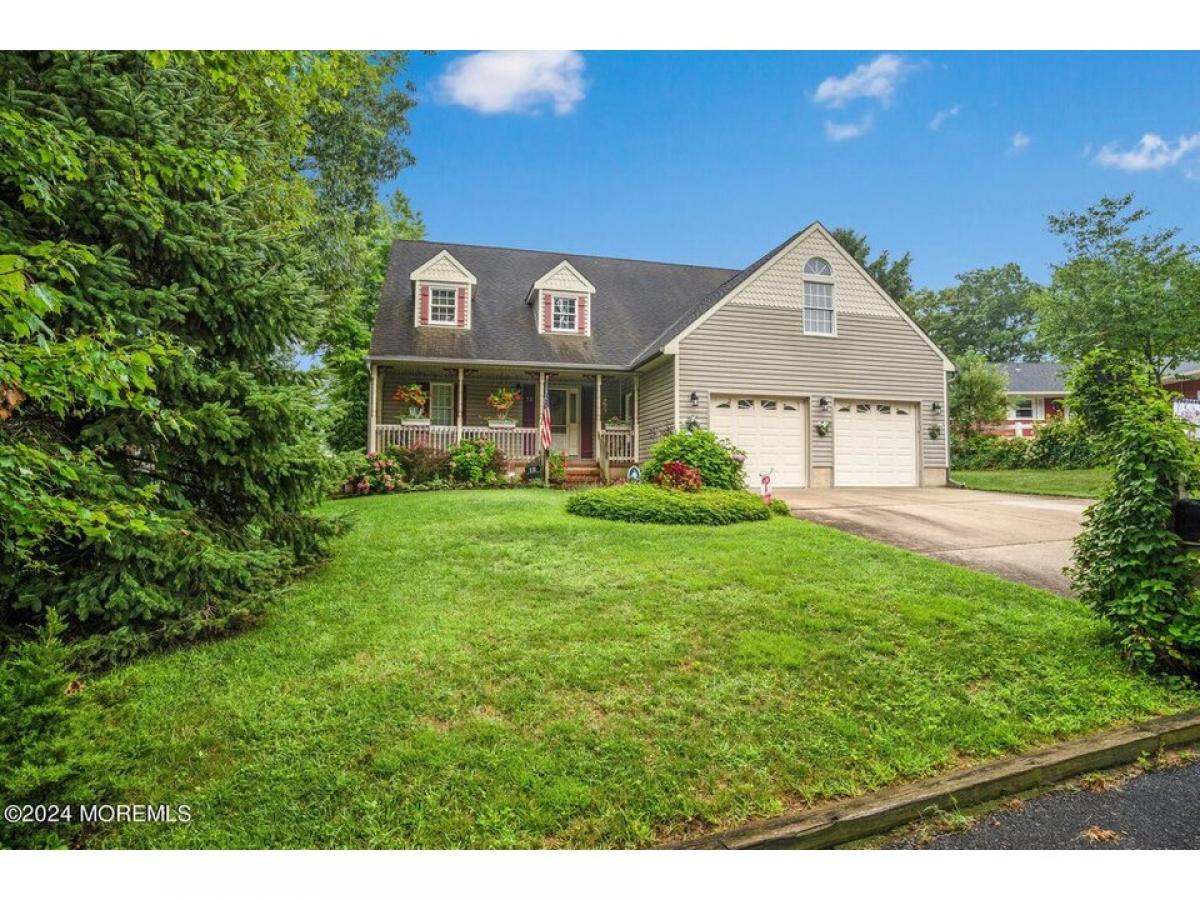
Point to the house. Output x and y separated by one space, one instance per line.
800 359
1037 392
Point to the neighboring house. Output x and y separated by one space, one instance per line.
800 359
1037 392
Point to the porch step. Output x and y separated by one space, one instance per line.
580 474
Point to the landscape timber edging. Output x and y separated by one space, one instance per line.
847 820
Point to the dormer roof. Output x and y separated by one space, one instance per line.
443 267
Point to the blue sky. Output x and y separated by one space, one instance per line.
713 158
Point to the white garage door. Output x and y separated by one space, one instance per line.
770 430
874 443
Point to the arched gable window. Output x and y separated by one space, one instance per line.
818 297
818 266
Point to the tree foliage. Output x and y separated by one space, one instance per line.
977 394
892 275
989 311
1129 565
159 453
1133 290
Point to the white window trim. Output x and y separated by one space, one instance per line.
821 279
449 385
1037 410
442 285
562 295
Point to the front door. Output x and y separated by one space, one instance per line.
564 421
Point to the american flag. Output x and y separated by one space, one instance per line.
545 419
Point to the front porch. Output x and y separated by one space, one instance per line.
593 415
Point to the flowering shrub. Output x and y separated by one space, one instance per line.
379 474
680 477
718 462
502 400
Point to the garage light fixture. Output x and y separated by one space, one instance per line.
936 406
695 398
824 403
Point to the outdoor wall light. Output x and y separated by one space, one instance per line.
824 403
695 398
936 406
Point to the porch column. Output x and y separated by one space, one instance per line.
596 431
541 405
636 456
459 423
372 419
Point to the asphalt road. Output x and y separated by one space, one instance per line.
1156 811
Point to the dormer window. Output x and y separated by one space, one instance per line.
442 291
443 305
564 313
562 300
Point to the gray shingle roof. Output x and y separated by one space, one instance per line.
1035 376
634 302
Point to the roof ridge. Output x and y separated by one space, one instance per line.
564 253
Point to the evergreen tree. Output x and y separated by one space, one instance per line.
160 454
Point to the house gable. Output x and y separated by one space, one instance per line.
442 291
777 282
563 288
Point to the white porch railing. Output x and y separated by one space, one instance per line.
514 443
617 445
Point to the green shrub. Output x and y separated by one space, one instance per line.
1057 444
556 464
1061 444
780 507
475 461
39 761
1130 567
648 503
712 456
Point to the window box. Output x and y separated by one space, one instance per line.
501 423
617 426
416 422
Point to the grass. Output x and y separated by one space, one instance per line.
480 669
1058 482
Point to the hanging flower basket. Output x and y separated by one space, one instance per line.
414 397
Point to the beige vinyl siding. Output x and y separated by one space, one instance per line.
762 350
656 411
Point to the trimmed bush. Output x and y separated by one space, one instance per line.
711 456
648 503
780 508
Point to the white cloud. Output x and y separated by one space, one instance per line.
942 116
876 80
845 131
1020 141
1151 153
502 81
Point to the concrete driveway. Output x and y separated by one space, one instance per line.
1016 536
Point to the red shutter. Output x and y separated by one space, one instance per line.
462 307
424 304
547 322
581 313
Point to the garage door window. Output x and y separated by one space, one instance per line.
884 408
745 404
769 404
724 404
862 408
788 407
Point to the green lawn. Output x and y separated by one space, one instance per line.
479 669
1059 482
